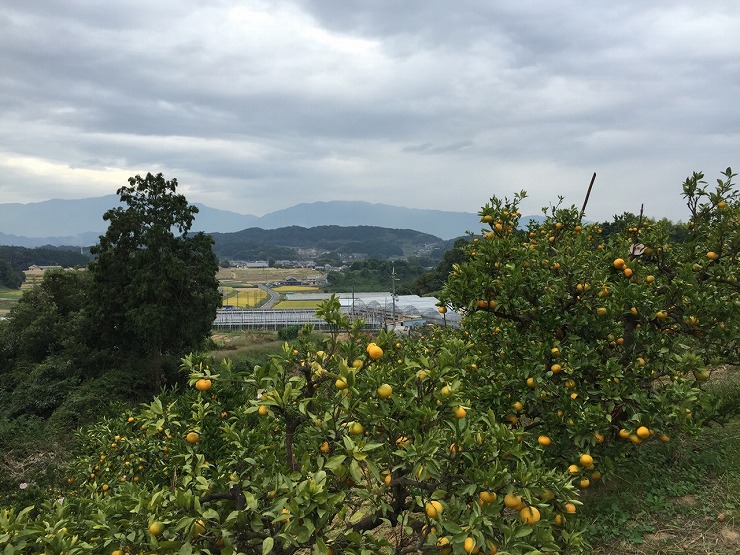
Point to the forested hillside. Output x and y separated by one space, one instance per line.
13 260
285 243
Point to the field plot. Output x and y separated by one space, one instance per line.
296 289
8 299
297 305
243 297
253 276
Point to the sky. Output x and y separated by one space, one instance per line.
255 106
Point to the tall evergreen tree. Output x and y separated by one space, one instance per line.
155 291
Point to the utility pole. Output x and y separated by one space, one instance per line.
394 279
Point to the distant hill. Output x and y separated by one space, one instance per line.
80 222
295 242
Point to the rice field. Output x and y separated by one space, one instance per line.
243 297
297 289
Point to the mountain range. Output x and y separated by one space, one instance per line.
80 222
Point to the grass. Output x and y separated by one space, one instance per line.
244 344
679 498
8 299
296 289
296 305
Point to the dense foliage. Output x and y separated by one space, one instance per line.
375 275
294 242
14 260
575 351
154 292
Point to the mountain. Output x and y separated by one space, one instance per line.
295 242
80 222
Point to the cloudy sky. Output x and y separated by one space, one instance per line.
255 106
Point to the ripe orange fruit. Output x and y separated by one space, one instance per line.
356 429
556 368
559 521
444 544
384 391
433 509
357 364
529 515
203 384
324 447
599 437
584 483
487 496
711 255
601 311
375 352
192 438
531 382
624 434
586 460
156 528
442 310
460 413
635 439
649 279
544 440
618 263
518 406
340 384
469 545
513 501
627 272
573 469
263 410
665 438
642 432
570 508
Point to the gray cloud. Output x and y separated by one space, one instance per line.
262 105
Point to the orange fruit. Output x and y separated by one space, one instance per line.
529 515
487 496
192 438
544 440
570 508
643 432
586 460
384 391
263 410
433 509
513 501
156 528
375 352
203 384
460 413
618 263
469 545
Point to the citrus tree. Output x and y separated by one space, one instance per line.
591 346
574 351
336 446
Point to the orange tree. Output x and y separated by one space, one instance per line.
338 445
592 347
